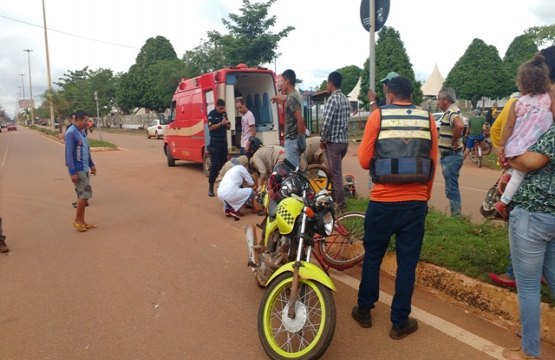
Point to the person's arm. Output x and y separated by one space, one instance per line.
458 128
366 148
507 131
300 122
70 148
329 111
280 99
372 98
433 154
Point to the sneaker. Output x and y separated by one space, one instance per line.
363 317
3 247
398 333
211 190
503 280
501 209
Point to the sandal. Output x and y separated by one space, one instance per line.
80 227
90 226
516 353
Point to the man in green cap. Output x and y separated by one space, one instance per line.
372 95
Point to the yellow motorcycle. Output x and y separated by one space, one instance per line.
296 317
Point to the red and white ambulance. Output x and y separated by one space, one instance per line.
187 136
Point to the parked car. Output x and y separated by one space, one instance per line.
12 127
156 129
437 116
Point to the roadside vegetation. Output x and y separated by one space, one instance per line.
92 142
457 244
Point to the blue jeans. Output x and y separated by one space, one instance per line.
406 221
292 152
335 153
532 239
451 167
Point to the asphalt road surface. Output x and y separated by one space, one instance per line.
164 275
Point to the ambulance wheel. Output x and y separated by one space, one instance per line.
169 157
206 164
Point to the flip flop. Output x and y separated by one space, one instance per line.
80 227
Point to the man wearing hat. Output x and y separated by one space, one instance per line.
372 95
475 131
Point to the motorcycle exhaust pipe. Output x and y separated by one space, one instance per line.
250 234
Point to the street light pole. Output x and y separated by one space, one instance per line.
22 87
30 85
51 102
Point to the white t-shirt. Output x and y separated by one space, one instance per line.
247 121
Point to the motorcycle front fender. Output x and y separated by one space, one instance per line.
307 271
270 227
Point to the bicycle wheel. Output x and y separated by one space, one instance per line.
486 148
473 157
344 248
318 177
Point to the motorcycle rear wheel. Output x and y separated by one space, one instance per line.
309 334
344 248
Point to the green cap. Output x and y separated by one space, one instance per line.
390 76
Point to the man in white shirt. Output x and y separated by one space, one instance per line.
231 192
248 126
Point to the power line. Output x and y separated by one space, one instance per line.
70 34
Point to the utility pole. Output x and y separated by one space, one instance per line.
50 94
30 86
22 87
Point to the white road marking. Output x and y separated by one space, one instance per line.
5 155
456 332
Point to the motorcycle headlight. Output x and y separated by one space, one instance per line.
327 222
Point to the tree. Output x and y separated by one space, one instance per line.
162 79
542 35
479 72
249 40
391 55
350 75
78 88
521 49
156 68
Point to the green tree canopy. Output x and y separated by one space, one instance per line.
542 35
521 49
350 74
391 55
479 72
151 81
78 88
248 40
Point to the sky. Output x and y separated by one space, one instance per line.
328 34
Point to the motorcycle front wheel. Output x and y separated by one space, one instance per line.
309 334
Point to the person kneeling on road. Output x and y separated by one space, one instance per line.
231 192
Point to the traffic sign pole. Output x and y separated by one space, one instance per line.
372 57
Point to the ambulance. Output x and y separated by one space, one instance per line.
187 136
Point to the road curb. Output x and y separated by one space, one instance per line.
497 304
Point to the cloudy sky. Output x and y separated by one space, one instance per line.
328 35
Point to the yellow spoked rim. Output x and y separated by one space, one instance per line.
310 302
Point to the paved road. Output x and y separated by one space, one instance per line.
164 276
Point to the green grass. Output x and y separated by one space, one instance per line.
457 244
56 133
100 143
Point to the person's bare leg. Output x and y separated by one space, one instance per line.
80 212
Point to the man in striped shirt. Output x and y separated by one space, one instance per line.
334 136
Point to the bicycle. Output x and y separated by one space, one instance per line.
478 151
